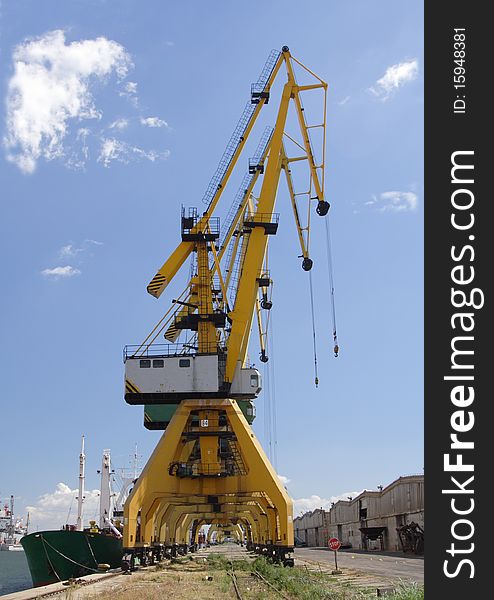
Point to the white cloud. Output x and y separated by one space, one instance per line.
51 509
119 124
71 251
50 88
343 101
284 480
60 272
130 92
394 77
115 150
66 251
394 202
153 122
112 149
303 505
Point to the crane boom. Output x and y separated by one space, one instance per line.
228 161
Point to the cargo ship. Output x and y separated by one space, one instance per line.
75 551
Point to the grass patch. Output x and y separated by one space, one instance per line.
302 584
408 591
294 582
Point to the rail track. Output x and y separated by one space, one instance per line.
254 573
233 577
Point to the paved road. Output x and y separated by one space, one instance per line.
392 565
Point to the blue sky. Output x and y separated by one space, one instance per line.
98 155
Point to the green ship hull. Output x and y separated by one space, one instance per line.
55 556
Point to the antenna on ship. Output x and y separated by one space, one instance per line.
80 498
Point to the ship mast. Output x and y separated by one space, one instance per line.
11 527
105 491
80 498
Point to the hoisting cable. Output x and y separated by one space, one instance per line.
316 378
267 412
273 397
268 396
336 348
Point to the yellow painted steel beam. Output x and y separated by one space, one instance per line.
258 503
170 268
300 230
317 182
156 485
256 250
256 508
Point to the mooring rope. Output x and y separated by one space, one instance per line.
66 558
91 550
48 558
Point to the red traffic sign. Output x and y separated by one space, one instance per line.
334 544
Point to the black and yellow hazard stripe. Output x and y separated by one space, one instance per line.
172 333
147 418
155 286
130 388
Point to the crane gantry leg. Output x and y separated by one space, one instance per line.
257 488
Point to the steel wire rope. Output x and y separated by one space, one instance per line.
70 508
314 340
273 402
267 411
336 348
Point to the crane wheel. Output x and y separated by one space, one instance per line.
307 264
322 208
285 49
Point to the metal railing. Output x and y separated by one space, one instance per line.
238 133
246 182
262 218
165 350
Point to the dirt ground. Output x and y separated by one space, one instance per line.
192 581
206 575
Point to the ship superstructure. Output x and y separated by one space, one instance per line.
11 528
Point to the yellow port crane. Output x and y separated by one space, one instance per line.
208 467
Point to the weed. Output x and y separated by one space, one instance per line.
408 591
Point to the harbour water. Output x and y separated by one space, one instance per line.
14 573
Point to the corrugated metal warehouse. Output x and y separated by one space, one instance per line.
370 520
